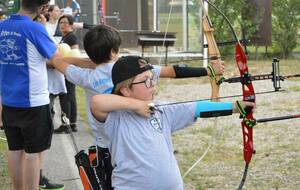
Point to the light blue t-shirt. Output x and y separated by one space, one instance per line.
24 48
141 148
95 81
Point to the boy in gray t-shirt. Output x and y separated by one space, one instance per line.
139 134
102 46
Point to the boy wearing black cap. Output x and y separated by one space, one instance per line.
101 44
139 134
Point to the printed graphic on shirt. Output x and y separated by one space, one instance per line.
9 50
156 124
101 82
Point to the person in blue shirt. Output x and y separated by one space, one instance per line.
73 8
1 124
2 17
76 10
25 46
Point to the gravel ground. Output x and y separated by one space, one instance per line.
276 164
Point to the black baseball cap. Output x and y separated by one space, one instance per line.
127 67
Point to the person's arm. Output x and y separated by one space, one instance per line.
76 11
183 71
55 56
41 19
205 109
167 72
62 63
78 25
102 104
76 46
83 25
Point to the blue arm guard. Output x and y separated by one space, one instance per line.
206 109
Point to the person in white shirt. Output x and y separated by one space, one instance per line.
56 80
52 23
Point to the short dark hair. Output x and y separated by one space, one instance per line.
51 8
70 19
33 5
99 41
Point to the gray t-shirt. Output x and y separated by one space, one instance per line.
95 81
142 150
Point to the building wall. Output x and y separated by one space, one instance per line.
128 16
131 16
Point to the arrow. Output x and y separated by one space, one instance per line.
264 120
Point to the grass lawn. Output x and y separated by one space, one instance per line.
4 178
80 97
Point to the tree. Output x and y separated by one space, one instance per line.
10 7
286 22
235 11
2 4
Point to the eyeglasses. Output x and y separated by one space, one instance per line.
149 82
64 23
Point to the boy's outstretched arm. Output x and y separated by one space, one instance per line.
102 104
206 109
62 63
182 71
243 104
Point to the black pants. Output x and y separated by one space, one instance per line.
51 105
68 102
52 98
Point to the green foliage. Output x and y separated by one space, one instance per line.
81 103
3 4
242 21
10 7
286 22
